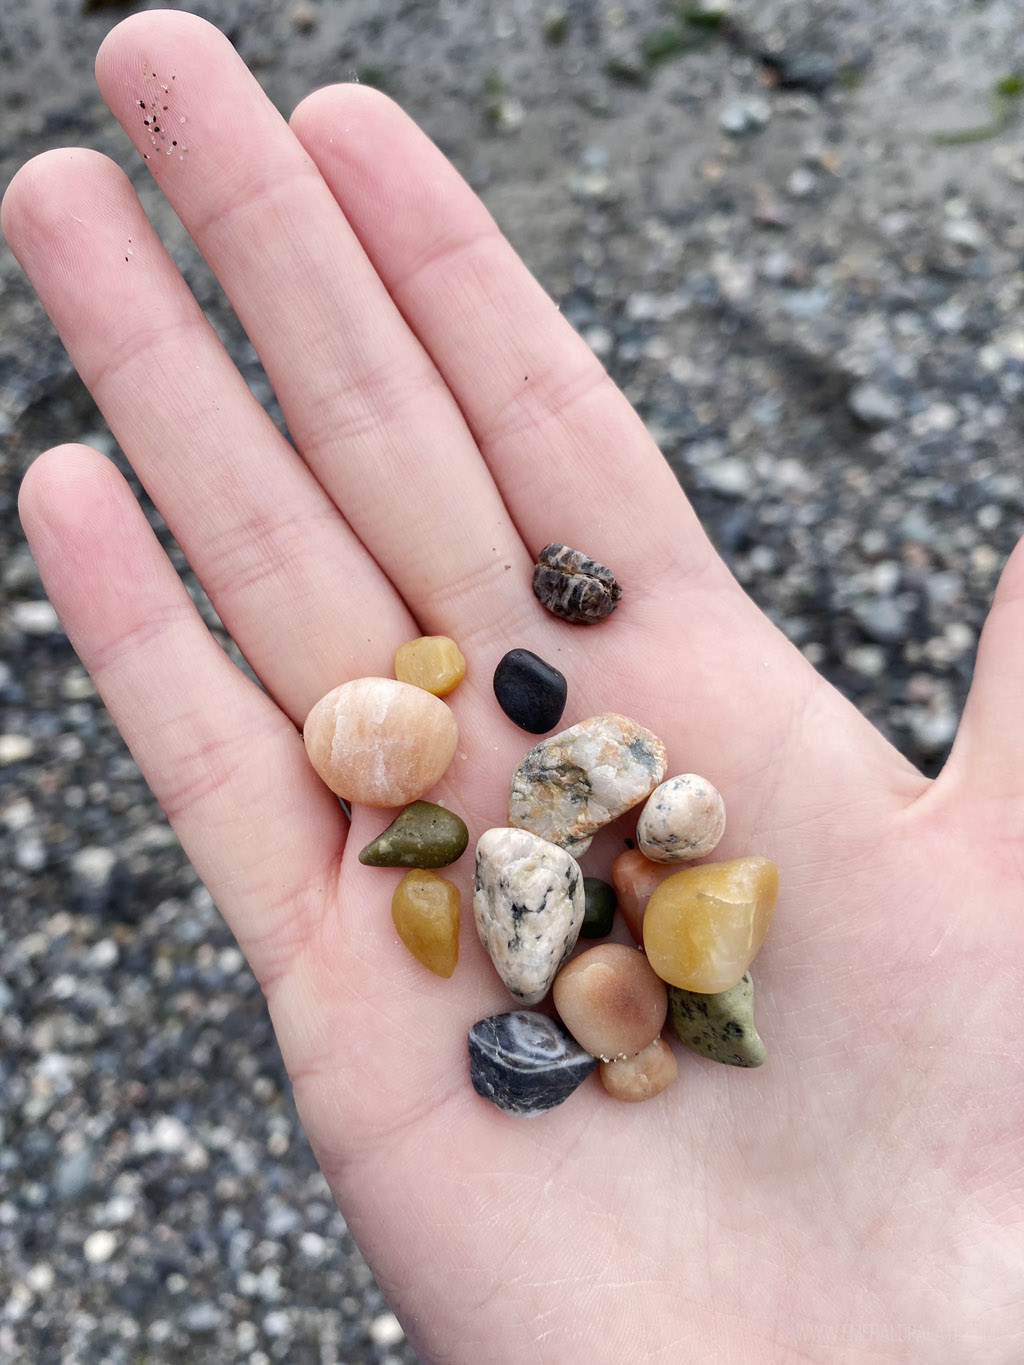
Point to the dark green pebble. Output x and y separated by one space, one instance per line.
718 1026
423 835
601 904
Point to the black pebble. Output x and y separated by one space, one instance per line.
529 691
601 904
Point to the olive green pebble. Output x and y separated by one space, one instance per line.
719 1026
423 835
601 903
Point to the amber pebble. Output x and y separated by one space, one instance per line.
632 1079
634 878
704 925
380 742
425 910
433 662
610 1000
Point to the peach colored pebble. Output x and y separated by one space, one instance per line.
610 1000
634 878
380 742
632 1079
433 662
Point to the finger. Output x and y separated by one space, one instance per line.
298 592
987 758
227 767
362 400
542 410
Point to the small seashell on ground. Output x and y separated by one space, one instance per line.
574 587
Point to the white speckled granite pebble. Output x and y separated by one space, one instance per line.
528 902
683 819
572 784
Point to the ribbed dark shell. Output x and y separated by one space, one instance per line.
574 587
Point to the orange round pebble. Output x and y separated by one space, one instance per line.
635 878
610 1000
632 1079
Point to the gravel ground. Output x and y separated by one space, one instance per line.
794 236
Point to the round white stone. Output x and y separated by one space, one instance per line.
683 819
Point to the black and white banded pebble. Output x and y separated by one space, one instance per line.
531 692
525 1063
574 587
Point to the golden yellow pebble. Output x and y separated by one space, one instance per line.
633 1079
704 925
432 662
425 911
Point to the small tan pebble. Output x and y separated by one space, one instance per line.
425 913
632 1079
683 819
379 742
610 1000
433 662
704 925
635 878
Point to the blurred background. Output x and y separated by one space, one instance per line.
792 231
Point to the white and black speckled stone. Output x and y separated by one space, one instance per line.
719 1026
525 1063
574 783
684 819
528 903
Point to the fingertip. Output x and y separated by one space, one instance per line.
66 488
335 107
124 50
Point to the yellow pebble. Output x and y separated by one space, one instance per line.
425 911
704 925
432 662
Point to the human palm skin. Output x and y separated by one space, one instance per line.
859 1197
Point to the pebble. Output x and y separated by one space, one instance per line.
433 662
634 878
632 1079
704 925
683 819
720 1025
528 905
574 783
380 742
611 1001
425 913
531 692
600 903
525 1063
422 835
574 587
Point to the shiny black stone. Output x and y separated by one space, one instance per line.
530 691
525 1063
601 902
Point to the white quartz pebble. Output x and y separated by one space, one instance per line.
683 819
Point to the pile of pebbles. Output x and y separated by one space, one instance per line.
816 307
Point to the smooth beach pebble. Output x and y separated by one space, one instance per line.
634 878
610 1000
528 904
531 692
600 902
633 1079
433 662
423 835
425 913
572 784
683 819
380 742
704 925
719 1026
574 587
525 1063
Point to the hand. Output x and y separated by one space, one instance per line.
863 1186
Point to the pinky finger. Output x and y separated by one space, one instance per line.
228 768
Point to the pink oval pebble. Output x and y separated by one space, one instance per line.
610 1000
632 1079
379 742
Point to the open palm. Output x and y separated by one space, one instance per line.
859 1196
